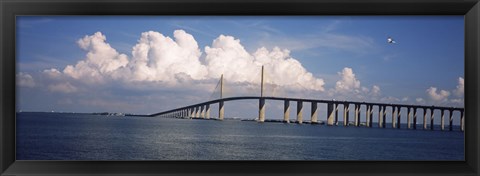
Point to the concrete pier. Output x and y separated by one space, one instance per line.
336 114
431 118
261 110
197 112
207 111
424 118
399 116
394 115
442 119
369 115
286 111
414 118
202 111
409 118
450 120
299 112
462 121
384 116
345 113
221 110
357 114
314 115
194 112
330 114
380 119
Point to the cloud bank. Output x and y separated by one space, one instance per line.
227 56
101 60
176 61
460 91
25 80
348 82
443 96
440 96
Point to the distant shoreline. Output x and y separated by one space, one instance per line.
291 121
88 113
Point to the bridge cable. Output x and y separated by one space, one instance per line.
215 91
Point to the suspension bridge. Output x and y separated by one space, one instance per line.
202 111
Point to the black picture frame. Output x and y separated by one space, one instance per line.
10 8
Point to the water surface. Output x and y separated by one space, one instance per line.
68 136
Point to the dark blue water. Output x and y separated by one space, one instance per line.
61 136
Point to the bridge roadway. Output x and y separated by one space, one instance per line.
202 110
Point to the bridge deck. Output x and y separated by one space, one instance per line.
306 100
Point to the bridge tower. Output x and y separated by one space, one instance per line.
221 111
261 111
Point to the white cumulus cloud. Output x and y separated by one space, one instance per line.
443 96
457 101
348 81
62 87
348 87
178 61
52 73
227 56
25 80
375 90
101 60
440 96
460 87
160 58
420 100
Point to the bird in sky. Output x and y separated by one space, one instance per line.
390 40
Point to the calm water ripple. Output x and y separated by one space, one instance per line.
62 136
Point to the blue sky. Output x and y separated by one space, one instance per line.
341 57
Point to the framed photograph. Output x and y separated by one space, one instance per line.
255 87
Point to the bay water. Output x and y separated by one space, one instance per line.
75 136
